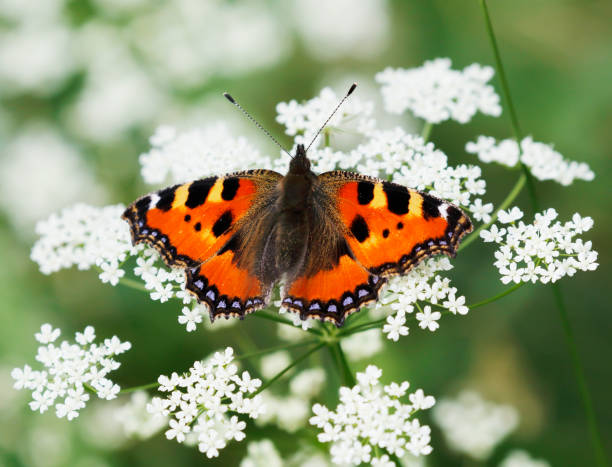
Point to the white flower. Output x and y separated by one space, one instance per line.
69 369
367 417
190 317
436 93
456 304
427 319
543 161
518 458
395 326
420 401
472 425
47 334
508 217
87 336
494 234
111 272
177 430
198 403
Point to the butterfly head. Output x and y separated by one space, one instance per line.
299 163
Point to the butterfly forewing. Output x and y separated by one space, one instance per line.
391 228
194 226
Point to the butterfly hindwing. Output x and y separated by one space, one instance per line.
391 228
333 294
227 289
192 226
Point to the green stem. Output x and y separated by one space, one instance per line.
139 388
496 297
426 131
600 453
595 435
302 357
516 189
343 365
362 327
133 284
501 75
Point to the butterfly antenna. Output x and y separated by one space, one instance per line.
350 91
257 124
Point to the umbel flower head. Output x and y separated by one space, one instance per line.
436 93
543 161
205 403
71 369
370 416
544 250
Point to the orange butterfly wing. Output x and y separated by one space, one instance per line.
191 225
388 229
332 295
391 228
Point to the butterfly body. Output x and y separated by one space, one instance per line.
331 240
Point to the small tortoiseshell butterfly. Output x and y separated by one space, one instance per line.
331 239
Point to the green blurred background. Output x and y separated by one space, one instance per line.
558 61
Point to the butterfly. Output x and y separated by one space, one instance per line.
332 240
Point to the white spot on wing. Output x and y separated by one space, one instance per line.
154 199
443 210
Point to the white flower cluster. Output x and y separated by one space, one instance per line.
472 425
543 161
423 284
182 157
84 236
518 458
199 403
436 93
70 370
303 120
370 416
544 250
